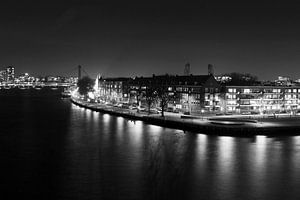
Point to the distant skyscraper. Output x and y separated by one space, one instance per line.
2 75
210 69
10 74
187 69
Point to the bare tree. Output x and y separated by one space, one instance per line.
150 95
163 96
85 85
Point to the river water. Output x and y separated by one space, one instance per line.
52 149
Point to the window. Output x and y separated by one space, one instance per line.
179 89
231 102
232 90
246 91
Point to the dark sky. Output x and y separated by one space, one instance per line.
130 38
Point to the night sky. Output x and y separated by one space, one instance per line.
130 38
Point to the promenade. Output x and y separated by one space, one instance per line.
235 125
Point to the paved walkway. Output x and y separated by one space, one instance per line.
255 121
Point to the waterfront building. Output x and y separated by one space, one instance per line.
223 79
113 89
261 99
284 81
2 75
202 94
193 93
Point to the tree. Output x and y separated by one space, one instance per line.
163 96
242 79
85 85
150 95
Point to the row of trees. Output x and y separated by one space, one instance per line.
241 79
157 93
154 93
85 85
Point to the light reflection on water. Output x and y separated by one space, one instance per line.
157 160
98 156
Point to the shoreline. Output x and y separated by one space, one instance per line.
212 126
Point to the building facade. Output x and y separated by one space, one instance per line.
193 93
10 74
113 89
202 94
261 99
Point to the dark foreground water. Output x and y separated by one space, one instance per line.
51 149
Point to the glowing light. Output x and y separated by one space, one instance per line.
96 86
91 95
74 92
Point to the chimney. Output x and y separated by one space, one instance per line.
210 69
187 69
79 72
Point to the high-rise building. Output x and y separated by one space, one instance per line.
10 74
2 75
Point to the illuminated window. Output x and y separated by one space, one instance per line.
197 96
231 102
179 89
246 91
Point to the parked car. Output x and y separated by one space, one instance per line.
169 109
229 113
246 113
283 112
125 106
133 108
141 108
187 113
154 111
176 111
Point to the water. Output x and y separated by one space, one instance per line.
51 149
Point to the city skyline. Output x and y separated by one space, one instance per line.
128 39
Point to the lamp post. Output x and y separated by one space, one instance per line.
189 102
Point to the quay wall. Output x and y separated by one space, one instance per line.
206 128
